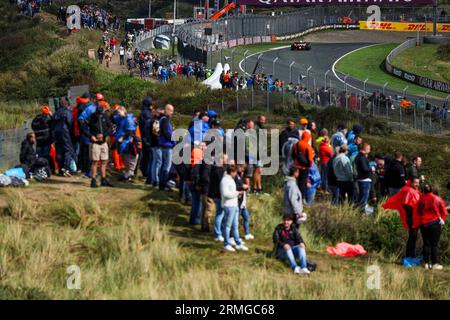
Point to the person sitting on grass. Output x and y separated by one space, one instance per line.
289 245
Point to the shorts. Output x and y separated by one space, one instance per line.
99 152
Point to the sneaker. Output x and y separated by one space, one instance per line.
66 173
232 242
305 271
105 183
437 266
249 237
229 248
427 266
241 248
219 238
298 270
94 183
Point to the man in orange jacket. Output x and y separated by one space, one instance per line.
303 158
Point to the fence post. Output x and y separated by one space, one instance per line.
290 71
422 128
345 85
237 101
307 76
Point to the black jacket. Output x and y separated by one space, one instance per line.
99 123
41 126
279 239
362 167
215 176
395 175
27 153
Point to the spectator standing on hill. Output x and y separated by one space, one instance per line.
364 172
229 196
343 170
122 55
395 174
432 213
63 133
413 170
98 127
405 202
286 133
339 138
164 151
101 55
303 158
242 200
325 155
257 174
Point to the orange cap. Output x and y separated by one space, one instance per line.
303 121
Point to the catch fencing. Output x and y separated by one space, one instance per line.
10 142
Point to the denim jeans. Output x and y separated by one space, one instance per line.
156 164
246 218
166 163
364 192
195 207
310 195
218 219
231 224
291 255
149 164
324 176
334 195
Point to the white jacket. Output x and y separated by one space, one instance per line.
228 192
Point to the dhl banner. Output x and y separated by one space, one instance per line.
403 26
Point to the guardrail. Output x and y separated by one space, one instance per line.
411 77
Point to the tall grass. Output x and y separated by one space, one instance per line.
126 254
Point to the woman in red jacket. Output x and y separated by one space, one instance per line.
431 211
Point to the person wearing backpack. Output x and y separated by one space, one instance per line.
41 126
343 170
286 153
303 158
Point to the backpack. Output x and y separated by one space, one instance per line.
299 156
286 155
156 128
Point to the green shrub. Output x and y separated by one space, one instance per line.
383 232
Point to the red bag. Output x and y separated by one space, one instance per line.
345 249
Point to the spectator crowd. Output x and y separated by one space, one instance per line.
92 136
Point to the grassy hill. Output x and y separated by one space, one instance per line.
417 60
135 242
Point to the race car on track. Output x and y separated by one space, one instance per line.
302 45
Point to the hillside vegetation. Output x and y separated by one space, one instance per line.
417 60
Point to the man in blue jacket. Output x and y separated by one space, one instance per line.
85 141
164 151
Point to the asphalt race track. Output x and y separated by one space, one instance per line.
321 58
